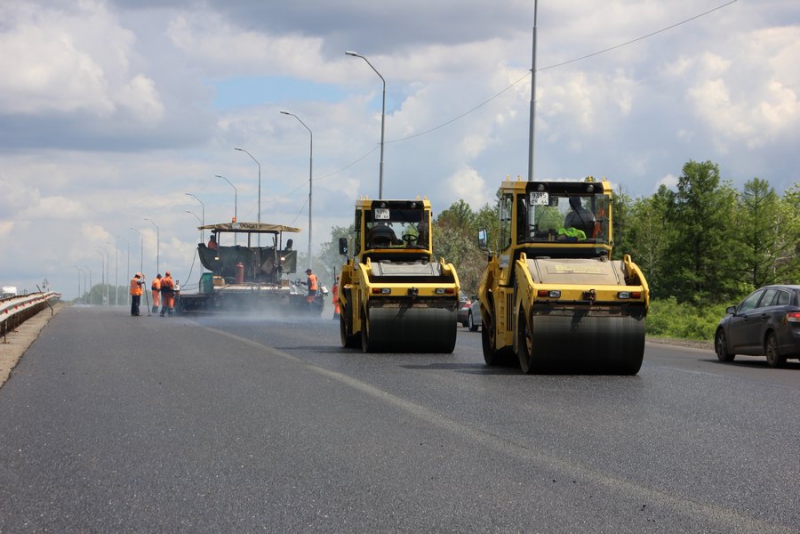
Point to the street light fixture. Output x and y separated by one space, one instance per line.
259 180
158 247
310 179
383 115
203 223
235 205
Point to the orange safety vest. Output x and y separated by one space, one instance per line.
156 284
136 288
167 286
312 282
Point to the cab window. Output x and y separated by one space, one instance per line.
506 208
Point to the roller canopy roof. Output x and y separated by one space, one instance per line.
249 227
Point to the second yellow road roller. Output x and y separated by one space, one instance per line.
393 295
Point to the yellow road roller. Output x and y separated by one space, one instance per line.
551 296
393 295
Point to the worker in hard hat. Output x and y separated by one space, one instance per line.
167 294
136 293
155 287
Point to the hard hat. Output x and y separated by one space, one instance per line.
167 274
138 275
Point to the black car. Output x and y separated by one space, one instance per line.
463 309
766 323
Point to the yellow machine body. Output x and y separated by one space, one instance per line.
392 295
551 296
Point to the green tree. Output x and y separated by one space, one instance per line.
648 239
329 261
702 261
455 239
621 206
763 243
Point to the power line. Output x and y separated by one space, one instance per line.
567 62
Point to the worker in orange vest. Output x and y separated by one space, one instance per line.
313 285
136 293
155 287
167 294
336 298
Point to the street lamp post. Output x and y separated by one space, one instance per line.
202 238
158 246
235 204
203 223
102 277
141 250
533 97
383 116
106 288
116 273
259 180
127 270
90 284
80 272
310 180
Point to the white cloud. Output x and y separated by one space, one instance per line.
66 60
669 180
468 185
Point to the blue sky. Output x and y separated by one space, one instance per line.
112 110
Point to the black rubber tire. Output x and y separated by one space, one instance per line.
721 347
347 339
365 344
524 344
491 356
771 349
471 323
487 342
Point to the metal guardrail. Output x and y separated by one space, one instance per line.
16 310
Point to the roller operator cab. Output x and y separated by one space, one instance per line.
393 295
551 296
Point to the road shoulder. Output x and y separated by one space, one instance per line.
18 341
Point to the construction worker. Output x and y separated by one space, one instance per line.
136 293
156 289
313 285
167 294
335 292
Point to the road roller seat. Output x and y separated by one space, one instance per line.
579 217
381 236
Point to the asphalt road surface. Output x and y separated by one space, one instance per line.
113 423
